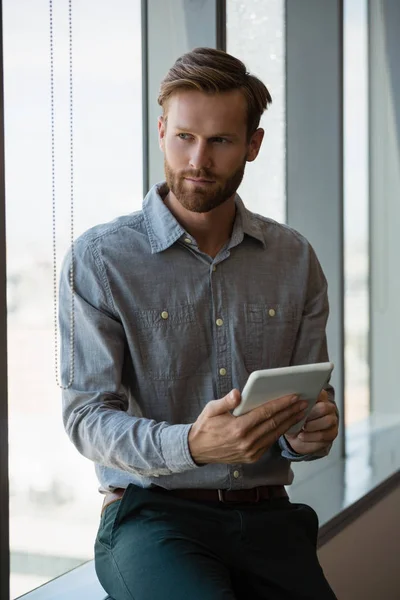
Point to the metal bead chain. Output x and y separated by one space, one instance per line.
53 179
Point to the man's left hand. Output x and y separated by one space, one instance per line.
320 429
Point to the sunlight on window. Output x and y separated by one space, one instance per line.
256 35
356 210
54 503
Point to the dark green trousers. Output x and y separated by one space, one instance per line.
153 546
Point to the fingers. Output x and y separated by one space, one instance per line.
323 396
263 436
311 447
252 444
278 425
283 420
222 405
271 410
321 409
320 424
327 435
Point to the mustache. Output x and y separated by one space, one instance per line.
199 174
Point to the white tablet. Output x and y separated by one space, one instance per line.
306 381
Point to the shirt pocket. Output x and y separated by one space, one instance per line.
270 335
172 343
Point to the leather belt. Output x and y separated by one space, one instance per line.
250 496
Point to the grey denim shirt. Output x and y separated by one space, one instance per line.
162 328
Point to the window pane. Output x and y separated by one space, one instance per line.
54 504
256 35
356 210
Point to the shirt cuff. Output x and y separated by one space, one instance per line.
175 448
288 452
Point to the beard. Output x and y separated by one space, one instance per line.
202 198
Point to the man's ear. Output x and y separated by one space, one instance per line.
255 144
162 125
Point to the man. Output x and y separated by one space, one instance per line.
174 306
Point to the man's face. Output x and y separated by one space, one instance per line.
205 145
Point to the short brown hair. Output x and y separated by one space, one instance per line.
214 71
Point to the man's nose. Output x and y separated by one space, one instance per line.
201 156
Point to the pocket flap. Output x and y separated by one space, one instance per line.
164 316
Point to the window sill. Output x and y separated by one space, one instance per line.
373 455
81 582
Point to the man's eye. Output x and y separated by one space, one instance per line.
183 136
220 140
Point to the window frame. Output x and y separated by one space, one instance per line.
4 482
314 137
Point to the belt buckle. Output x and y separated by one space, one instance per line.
221 495
257 498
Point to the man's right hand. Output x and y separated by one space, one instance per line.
219 437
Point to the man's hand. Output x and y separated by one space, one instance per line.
320 429
219 437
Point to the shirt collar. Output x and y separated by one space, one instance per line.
162 227
164 230
247 223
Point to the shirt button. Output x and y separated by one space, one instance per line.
222 371
219 322
236 474
188 240
164 314
214 268
271 312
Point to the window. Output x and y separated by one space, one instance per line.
54 502
356 208
256 35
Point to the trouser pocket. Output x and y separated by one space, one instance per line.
111 517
